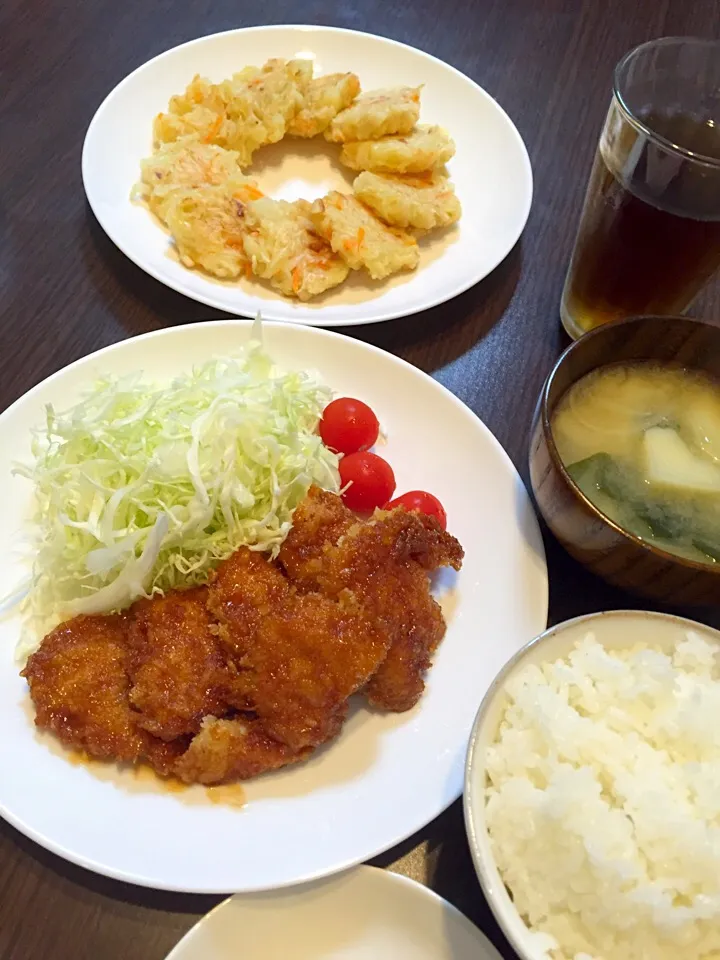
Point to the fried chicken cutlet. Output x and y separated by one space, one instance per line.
177 668
318 522
387 561
390 557
234 749
299 656
79 684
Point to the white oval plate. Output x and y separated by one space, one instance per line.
387 775
366 914
491 171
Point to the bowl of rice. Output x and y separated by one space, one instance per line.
592 791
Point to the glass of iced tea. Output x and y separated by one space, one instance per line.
649 235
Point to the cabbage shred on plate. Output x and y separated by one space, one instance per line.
141 487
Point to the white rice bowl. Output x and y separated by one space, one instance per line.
602 800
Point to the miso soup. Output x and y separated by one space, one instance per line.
642 441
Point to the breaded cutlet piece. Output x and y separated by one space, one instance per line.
318 522
208 225
330 549
389 536
283 248
176 666
325 97
412 617
235 749
386 561
353 232
242 592
422 202
79 684
416 624
186 163
377 113
426 148
299 656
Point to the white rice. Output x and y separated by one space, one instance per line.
603 802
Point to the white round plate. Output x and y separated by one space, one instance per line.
386 775
491 171
366 914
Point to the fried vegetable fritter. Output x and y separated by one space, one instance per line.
324 99
186 163
248 111
208 226
354 232
426 148
283 247
377 113
423 202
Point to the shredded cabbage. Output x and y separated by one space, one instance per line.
142 487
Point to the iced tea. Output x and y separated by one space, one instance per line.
649 235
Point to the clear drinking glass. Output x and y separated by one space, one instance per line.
649 234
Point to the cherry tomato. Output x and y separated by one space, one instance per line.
348 426
373 481
422 502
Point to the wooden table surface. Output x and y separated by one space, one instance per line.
66 290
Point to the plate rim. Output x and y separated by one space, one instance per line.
377 874
302 330
216 303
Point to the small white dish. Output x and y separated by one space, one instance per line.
491 171
386 775
365 914
614 629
